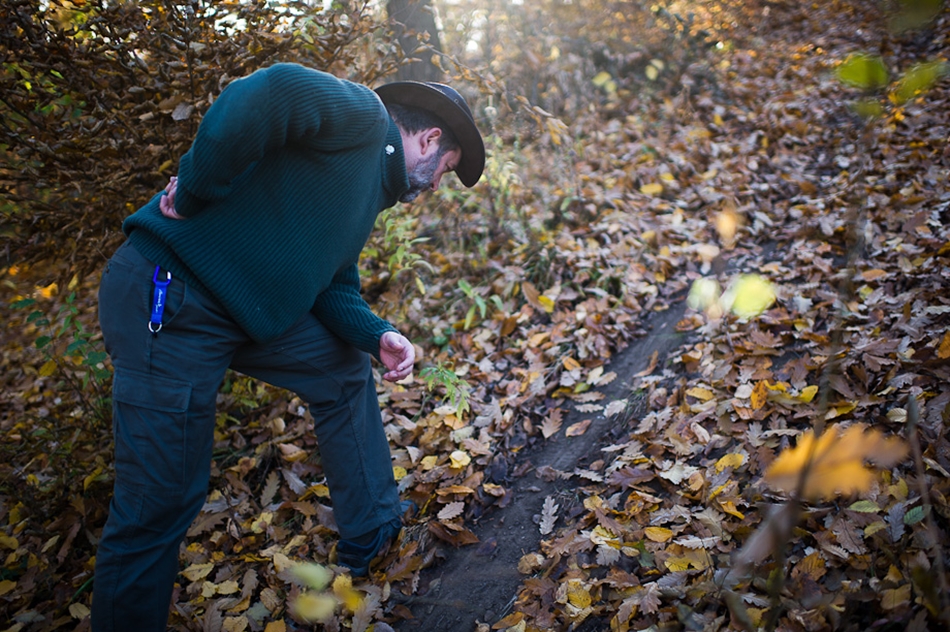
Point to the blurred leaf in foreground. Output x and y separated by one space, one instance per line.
749 296
838 462
863 71
919 79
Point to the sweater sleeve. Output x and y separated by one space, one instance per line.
342 309
285 105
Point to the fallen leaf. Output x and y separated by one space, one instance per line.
578 429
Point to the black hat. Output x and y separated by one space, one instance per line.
448 105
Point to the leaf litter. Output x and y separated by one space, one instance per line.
686 522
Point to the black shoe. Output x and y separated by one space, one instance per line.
357 557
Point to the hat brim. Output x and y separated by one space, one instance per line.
420 95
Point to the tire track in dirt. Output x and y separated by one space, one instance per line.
479 583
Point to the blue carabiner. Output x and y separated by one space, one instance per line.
158 300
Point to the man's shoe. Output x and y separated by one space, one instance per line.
357 557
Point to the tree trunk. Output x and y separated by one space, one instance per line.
411 17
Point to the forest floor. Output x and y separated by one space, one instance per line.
479 583
779 91
611 472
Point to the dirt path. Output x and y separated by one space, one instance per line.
479 583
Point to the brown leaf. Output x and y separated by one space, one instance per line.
578 429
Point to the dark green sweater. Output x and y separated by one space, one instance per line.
280 191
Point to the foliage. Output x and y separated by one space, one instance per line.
720 145
101 99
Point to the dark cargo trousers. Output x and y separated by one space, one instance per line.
164 393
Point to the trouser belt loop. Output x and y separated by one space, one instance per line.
158 299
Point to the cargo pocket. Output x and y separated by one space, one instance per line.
150 425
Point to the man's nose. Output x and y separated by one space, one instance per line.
435 182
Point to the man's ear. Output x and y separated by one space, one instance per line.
429 140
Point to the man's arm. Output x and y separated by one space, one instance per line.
342 309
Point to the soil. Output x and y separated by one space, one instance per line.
473 587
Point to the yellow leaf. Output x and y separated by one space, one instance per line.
653 188
460 459
727 222
320 490
48 291
452 490
291 452
9 542
344 591
837 461
812 565
399 472
733 460
676 564
577 595
78 611
428 462
700 393
48 368
198 571
874 527
229 587
546 303
601 78
312 606
88 480
730 508
751 295
276 626
895 598
260 524
234 624
808 393
571 364
6 586
760 395
658 534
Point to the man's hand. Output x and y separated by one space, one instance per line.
167 203
397 355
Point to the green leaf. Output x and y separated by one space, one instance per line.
95 358
865 506
914 516
919 79
867 108
863 71
914 14
23 302
42 341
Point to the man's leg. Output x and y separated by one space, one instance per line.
336 380
164 392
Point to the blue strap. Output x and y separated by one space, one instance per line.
158 300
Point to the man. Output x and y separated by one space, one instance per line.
248 260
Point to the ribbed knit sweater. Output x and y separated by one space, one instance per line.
279 192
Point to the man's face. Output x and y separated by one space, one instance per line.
426 163
427 173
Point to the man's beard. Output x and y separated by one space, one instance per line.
421 176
